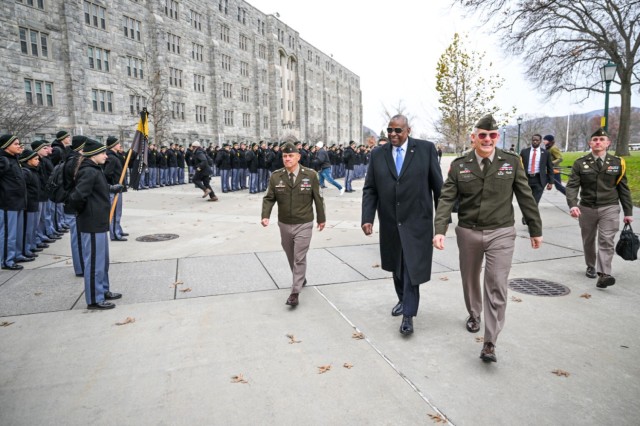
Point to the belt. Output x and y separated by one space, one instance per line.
533 174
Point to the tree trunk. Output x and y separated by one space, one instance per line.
622 146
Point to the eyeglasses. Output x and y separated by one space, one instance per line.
596 139
397 130
492 135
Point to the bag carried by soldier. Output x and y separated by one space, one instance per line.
629 243
55 185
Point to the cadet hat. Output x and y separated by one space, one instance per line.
600 132
6 140
26 155
549 138
289 148
77 142
61 135
112 141
92 148
319 144
253 145
195 143
38 145
487 123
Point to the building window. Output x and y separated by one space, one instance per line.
228 118
261 26
197 51
201 114
136 103
242 15
280 35
246 120
195 19
263 76
265 99
227 90
173 43
95 15
244 41
226 62
177 110
265 122
244 69
171 9
262 51
198 83
134 67
37 3
224 33
98 58
102 100
244 94
34 43
38 92
223 6
131 28
175 77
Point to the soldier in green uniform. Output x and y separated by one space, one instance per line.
295 188
484 182
602 182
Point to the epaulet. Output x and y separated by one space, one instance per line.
584 156
462 157
280 170
510 153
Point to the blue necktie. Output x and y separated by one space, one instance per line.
399 160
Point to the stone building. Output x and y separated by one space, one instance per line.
216 71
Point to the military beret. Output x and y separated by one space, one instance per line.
61 135
26 155
600 132
6 140
92 148
77 142
112 141
38 145
549 138
289 148
487 123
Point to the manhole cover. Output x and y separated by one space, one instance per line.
536 287
157 237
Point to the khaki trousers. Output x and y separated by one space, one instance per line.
605 222
295 240
496 246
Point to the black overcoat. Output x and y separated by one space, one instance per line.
405 206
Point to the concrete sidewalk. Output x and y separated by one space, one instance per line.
209 305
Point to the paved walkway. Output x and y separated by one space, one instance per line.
209 305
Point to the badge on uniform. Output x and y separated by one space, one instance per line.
305 184
506 168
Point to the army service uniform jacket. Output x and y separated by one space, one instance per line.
294 201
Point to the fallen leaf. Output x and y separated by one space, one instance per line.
56 257
37 293
186 290
5 323
586 296
238 379
438 418
516 299
375 265
324 368
444 278
623 346
357 335
347 365
561 373
480 339
176 284
292 339
128 320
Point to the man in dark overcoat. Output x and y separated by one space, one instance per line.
403 182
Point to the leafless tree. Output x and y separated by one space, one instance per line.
565 42
20 118
401 109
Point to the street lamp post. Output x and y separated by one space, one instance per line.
608 74
504 136
519 125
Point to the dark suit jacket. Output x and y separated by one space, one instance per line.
405 206
546 166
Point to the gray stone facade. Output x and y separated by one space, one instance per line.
217 71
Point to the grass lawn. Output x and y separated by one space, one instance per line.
633 171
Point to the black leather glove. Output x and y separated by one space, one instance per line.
116 189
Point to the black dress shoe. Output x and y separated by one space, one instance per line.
304 284
406 328
14 267
48 240
112 296
25 259
292 300
101 306
591 272
125 234
473 324
54 237
119 239
605 281
488 352
397 310
42 246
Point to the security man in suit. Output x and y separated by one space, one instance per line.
90 198
295 189
484 182
539 168
13 200
113 168
602 182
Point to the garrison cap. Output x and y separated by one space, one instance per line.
77 142
26 155
92 148
487 123
289 148
112 141
61 135
600 132
549 138
38 145
6 140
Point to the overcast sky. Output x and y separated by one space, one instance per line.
394 48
